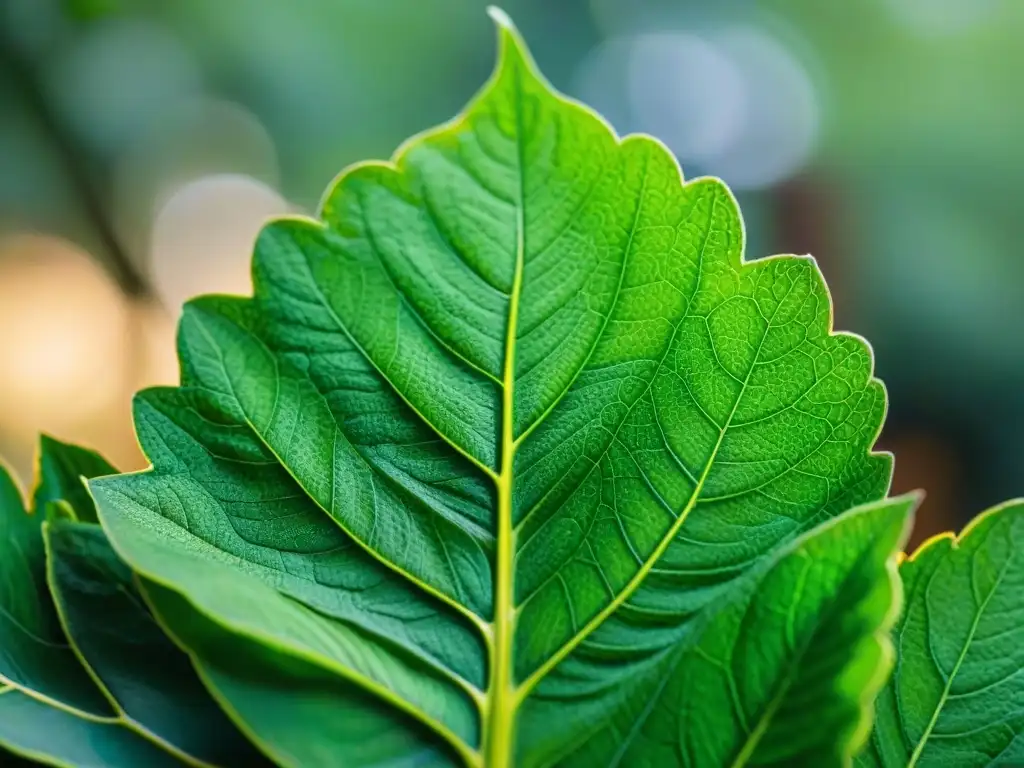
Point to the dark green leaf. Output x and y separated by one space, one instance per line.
514 399
34 652
53 736
326 715
118 690
957 694
150 682
61 469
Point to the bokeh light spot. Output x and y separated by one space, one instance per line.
203 236
63 349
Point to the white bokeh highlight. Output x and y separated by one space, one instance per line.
203 235
733 102
687 92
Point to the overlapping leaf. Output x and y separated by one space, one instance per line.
957 693
783 673
511 419
34 652
90 679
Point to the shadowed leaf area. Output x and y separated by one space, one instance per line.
87 678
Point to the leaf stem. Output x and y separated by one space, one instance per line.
501 690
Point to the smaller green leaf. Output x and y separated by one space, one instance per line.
34 653
782 672
52 736
956 697
61 469
150 683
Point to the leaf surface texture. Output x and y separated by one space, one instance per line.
513 403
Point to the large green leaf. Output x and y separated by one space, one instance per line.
957 694
805 631
299 711
77 631
514 403
783 672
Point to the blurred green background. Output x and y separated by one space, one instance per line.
143 142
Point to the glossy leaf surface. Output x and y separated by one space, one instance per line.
62 468
514 399
150 683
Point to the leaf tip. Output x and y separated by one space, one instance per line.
501 19
48 441
905 508
512 48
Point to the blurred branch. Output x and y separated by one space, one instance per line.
128 277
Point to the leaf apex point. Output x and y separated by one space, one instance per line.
511 45
499 17
914 497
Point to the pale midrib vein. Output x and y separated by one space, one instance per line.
755 736
926 734
537 675
42 698
501 705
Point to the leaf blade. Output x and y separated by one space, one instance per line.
535 402
62 466
39 732
251 679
